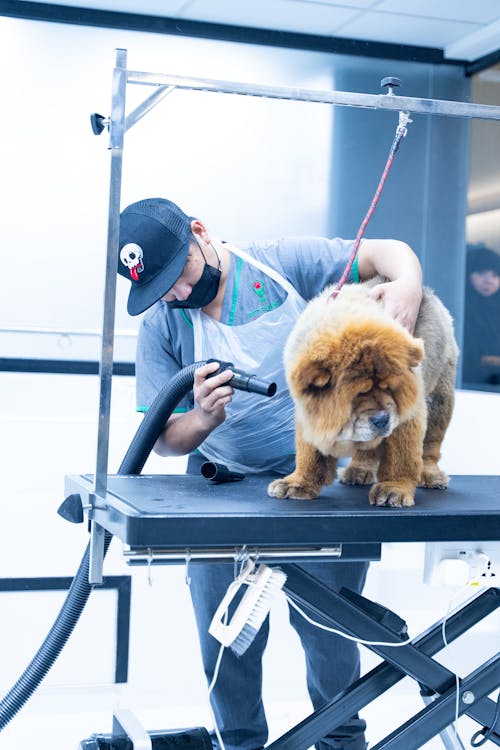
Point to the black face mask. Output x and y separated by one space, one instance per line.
203 292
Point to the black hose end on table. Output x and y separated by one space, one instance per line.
219 473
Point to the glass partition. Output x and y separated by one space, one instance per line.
481 342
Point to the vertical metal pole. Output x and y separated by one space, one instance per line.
116 134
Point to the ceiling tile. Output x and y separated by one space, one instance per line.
483 41
402 29
283 15
480 11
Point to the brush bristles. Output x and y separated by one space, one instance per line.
259 612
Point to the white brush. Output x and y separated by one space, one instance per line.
262 586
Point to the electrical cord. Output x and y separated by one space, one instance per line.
486 733
394 644
212 685
446 644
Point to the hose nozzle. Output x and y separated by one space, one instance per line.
219 473
244 382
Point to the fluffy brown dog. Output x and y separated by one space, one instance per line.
362 387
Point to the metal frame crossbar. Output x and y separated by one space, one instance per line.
344 98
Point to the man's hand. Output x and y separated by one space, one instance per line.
184 432
401 299
396 261
212 394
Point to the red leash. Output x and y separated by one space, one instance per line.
401 131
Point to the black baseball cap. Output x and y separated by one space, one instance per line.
154 244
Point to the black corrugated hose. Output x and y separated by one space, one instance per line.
80 589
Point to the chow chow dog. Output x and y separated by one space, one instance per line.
364 387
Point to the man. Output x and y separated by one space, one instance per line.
209 299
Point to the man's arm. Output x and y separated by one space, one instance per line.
397 262
185 432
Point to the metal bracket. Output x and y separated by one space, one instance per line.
146 556
165 556
127 726
96 564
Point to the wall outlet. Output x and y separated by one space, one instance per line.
456 564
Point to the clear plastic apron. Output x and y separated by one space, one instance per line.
258 433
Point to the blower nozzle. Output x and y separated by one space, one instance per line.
243 381
219 473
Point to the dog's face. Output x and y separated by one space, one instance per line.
355 386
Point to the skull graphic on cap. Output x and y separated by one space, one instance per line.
131 256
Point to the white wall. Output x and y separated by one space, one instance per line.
249 167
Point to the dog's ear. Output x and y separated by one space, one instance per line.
415 352
319 375
312 373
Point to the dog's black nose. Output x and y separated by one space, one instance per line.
380 420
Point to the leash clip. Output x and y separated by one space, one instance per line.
404 120
150 562
187 577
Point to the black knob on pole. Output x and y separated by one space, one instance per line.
97 122
390 82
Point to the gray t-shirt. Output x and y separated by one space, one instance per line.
165 343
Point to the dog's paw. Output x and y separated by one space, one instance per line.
293 488
393 494
434 479
356 475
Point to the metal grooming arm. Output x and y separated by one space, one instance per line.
118 123
158 525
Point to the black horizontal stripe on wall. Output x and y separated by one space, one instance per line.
62 366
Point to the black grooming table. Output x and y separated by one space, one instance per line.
190 513
182 510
